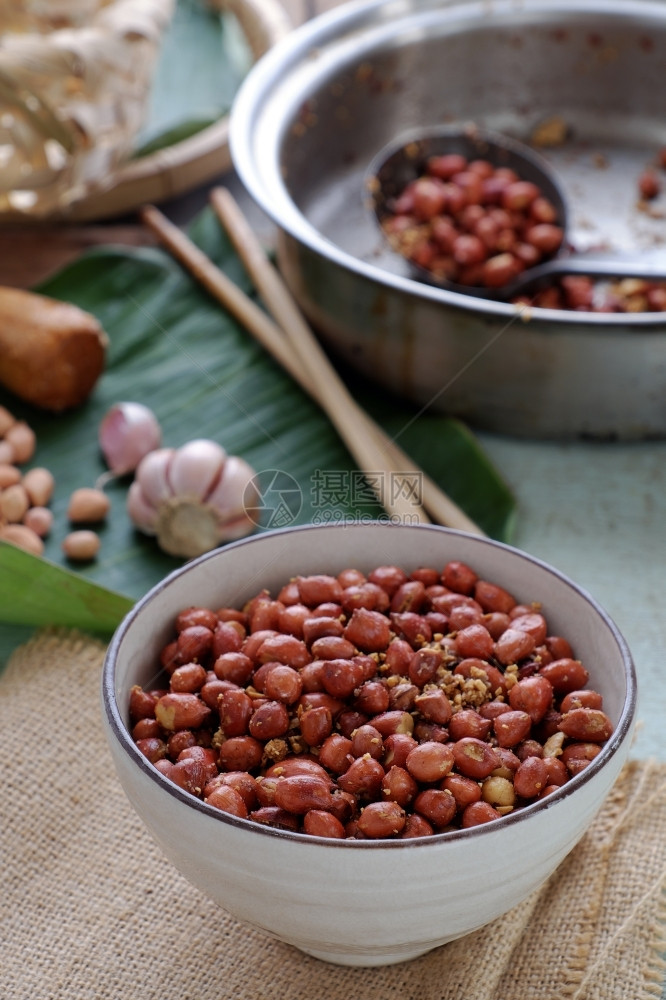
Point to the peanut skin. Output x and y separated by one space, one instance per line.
51 353
81 546
87 506
23 537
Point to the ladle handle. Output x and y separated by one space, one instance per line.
651 267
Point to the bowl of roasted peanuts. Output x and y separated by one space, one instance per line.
367 739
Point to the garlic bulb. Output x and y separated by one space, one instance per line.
192 498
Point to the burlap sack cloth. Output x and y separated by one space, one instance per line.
90 907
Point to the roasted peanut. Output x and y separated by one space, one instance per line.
335 753
565 675
235 667
382 819
513 645
14 503
464 790
190 677
286 649
39 484
474 758
467 722
372 698
229 800
581 699
368 630
269 721
531 777
22 442
81 546
430 761
511 728
23 537
437 805
240 781
88 506
319 823
300 793
341 677
367 740
317 628
363 777
474 640
240 753
180 711
196 616
9 475
318 589
587 725
424 665
316 725
533 695
39 520
152 747
434 706
477 813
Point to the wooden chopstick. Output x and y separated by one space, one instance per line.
368 444
367 453
287 314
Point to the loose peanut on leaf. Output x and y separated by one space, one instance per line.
22 441
81 546
39 485
6 420
23 537
88 506
9 475
14 503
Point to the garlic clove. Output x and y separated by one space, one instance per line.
128 432
234 494
196 468
153 475
142 513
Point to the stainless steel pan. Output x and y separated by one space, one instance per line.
314 112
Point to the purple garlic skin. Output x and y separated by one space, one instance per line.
128 432
192 498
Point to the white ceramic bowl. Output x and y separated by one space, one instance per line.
337 899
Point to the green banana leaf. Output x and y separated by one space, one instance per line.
203 59
177 350
38 590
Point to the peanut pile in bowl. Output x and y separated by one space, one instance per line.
367 739
387 704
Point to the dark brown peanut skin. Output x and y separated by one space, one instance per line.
371 706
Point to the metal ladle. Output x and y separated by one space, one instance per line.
404 160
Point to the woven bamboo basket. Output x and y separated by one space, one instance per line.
75 79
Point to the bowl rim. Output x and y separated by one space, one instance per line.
306 44
120 733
